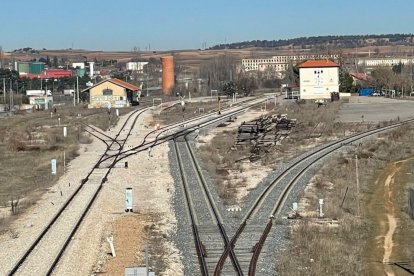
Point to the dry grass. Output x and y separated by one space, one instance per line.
405 236
323 250
220 155
314 253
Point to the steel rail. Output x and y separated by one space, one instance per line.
62 209
184 131
286 191
175 125
216 213
256 205
104 179
197 240
97 137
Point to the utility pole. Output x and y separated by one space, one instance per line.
357 185
11 96
77 87
4 90
74 96
411 75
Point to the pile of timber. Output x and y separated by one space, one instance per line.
264 129
282 122
264 132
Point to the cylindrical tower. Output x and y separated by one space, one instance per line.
167 74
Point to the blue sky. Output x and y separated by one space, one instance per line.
166 25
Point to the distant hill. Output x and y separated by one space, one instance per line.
339 41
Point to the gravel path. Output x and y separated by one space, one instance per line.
87 252
41 259
152 192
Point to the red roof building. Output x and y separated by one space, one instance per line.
112 93
318 63
124 84
50 74
318 79
360 78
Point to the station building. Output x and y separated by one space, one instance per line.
111 93
318 79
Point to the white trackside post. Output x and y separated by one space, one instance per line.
128 200
320 208
111 245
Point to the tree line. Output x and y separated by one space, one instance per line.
344 41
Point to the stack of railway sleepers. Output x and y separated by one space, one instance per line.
285 123
264 132
249 131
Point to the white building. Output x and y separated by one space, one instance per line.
318 78
279 63
80 65
136 65
383 62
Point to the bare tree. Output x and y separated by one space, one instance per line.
218 70
382 78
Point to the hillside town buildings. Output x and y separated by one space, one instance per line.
280 63
371 63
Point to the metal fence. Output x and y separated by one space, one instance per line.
411 202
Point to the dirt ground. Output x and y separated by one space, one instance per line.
387 210
250 174
152 221
128 232
235 175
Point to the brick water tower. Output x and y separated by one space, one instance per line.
167 74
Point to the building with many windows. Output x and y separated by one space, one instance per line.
318 79
370 63
136 65
279 63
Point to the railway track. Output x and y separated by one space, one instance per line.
271 200
44 253
209 233
100 135
167 133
